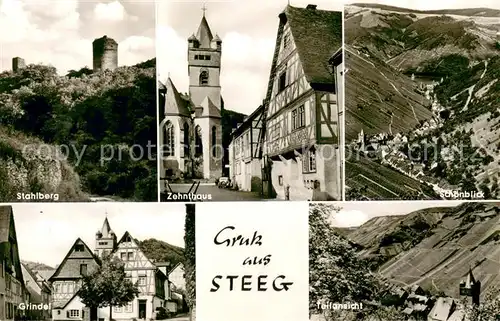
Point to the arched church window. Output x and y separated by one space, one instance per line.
198 142
168 139
186 140
214 141
204 78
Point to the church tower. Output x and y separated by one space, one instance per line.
470 288
105 240
204 66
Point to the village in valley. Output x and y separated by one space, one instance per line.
287 148
142 286
414 128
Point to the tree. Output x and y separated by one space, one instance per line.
190 259
337 275
107 286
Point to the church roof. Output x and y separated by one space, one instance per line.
217 38
318 29
204 34
209 109
175 104
106 228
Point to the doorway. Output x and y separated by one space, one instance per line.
142 309
93 314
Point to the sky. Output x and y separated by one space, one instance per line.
357 213
435 5
46 232
60 32
248 31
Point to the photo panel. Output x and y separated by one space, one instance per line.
97 263
78 101
253 263
250 111
421 103
400 261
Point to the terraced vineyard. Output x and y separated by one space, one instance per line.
383 183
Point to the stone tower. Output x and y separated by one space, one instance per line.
105 54
105 240
204 66
470 288
18 63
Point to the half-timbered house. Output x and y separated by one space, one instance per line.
301 148
244 152
67 280
12 289
152 282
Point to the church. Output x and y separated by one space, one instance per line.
190 127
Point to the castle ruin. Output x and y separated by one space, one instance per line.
18 63
105 53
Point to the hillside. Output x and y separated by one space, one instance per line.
478 12
160 251
34 266
435 247
93 119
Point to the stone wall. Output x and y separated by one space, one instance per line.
18 63
105 54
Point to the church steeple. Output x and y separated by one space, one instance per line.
470 288
204 34
105 239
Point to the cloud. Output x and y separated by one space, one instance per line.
171 51
349 218
113 11
132 49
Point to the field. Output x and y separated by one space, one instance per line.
382 183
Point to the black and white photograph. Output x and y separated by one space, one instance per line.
250 111
78 101
404 261
421 100
97 264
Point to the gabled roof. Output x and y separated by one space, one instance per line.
317 35
45 274
209 109
106 228
204 34
175 267
175 104
78 240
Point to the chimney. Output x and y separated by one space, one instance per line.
311 6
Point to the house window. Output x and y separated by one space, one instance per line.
204 78
130 256
83 269
207 57
198 142
309 162
128 239
103 243
79 248
142 280
280 180
123 256
214 142
57 287
129 307
169 139
298 118
282 82
117 309
186 140
74 313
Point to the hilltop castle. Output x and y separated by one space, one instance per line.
105 53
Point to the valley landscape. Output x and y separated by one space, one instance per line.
410 265
422 103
